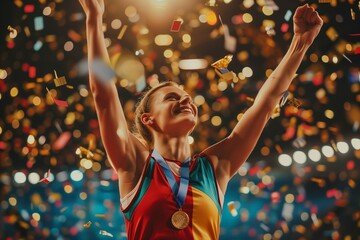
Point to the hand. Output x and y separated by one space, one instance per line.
307 23
93 7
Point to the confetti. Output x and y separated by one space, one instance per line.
87 225
59 81
222 63
347 58
61 141
103 71
232 206
353 15
12 31
288 15
37 135
294 102
58 102
29 8
122 32
46 178
105 233
39 23
332 34
175 27
284 99
81 150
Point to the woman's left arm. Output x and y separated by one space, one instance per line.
229 154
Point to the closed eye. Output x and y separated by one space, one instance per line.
172 97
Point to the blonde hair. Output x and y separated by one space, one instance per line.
144 106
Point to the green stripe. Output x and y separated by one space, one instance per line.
202 178
143 188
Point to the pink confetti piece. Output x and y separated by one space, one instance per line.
58 102
61 141
46 178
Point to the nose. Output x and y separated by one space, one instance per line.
185 100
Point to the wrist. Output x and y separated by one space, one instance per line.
300 43
94 19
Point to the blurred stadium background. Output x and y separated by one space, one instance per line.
301 181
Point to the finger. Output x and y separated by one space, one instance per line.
299 13
308 13
318 19
313 17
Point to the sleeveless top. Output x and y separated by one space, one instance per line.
148 215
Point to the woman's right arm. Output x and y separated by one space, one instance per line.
121 146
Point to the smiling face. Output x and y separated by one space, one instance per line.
172 112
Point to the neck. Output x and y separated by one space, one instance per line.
175 148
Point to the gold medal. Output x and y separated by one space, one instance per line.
180 219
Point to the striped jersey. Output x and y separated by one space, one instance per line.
148 215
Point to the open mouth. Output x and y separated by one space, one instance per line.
184 110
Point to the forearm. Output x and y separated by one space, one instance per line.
280 79
96 51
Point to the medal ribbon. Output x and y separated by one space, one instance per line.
178 191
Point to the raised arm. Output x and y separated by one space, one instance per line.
119 143
229 154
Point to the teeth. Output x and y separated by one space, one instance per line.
186 110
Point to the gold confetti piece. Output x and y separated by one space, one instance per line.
319 181
333 144
300 229
353 15
24 225
226 74
81 150
294 102
250 99
59 81
13 32
332 34
352 183
70 86
222 63
87 225
122 32
324 1
278 149
44 152
100 215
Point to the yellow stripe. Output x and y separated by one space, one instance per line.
206 217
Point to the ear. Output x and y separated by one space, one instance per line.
146 119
